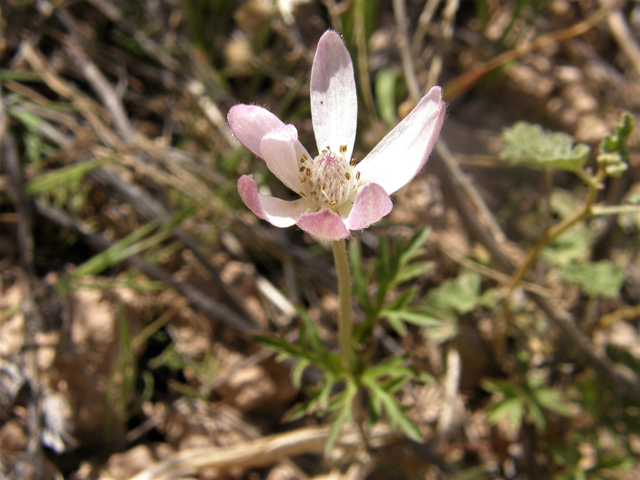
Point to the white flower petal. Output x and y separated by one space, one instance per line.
334 102
324 225
280 213
249 123
370 205
403 152
282 151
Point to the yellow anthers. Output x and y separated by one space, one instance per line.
357 176
303 158
302 169
302 195
353 162
347 175
343 149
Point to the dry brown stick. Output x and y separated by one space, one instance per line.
32 318
143 202
151 209
561 319
402 35
623 35
151 48
488 272
261 452
450 390
423 23
462 181
103 89
444 40
195 296
89 109
467 80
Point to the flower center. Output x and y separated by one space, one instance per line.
330 180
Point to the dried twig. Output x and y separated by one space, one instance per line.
558 317
194 295
444 41
450 387
410 76
261 452
32 318
622 34
467 80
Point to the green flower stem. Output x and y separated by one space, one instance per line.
615 210
581 214
584 212
345 325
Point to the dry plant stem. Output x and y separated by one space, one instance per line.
345 325
363 66
260 452
467 80
622 34
411 78
195 296
32 318
444 42
423 24
450 387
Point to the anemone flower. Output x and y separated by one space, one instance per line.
337 194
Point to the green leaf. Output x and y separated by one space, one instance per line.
614 153
510 408
396 414
309 335
345 405
414 247
415 316
412 271
389 368
571 246
296 373
395 322
281 346
527 144
69 176
386 94
552 400
599 279
460 294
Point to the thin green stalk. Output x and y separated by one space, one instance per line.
345 325
615 210
583 213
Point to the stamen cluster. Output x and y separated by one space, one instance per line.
329 180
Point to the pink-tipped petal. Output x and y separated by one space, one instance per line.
403 152
282 151
274 210
249 123
371 204
324 225
334 102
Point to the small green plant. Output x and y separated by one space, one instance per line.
530 401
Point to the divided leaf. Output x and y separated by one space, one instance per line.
527 144
598 279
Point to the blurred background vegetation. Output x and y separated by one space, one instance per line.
132 276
